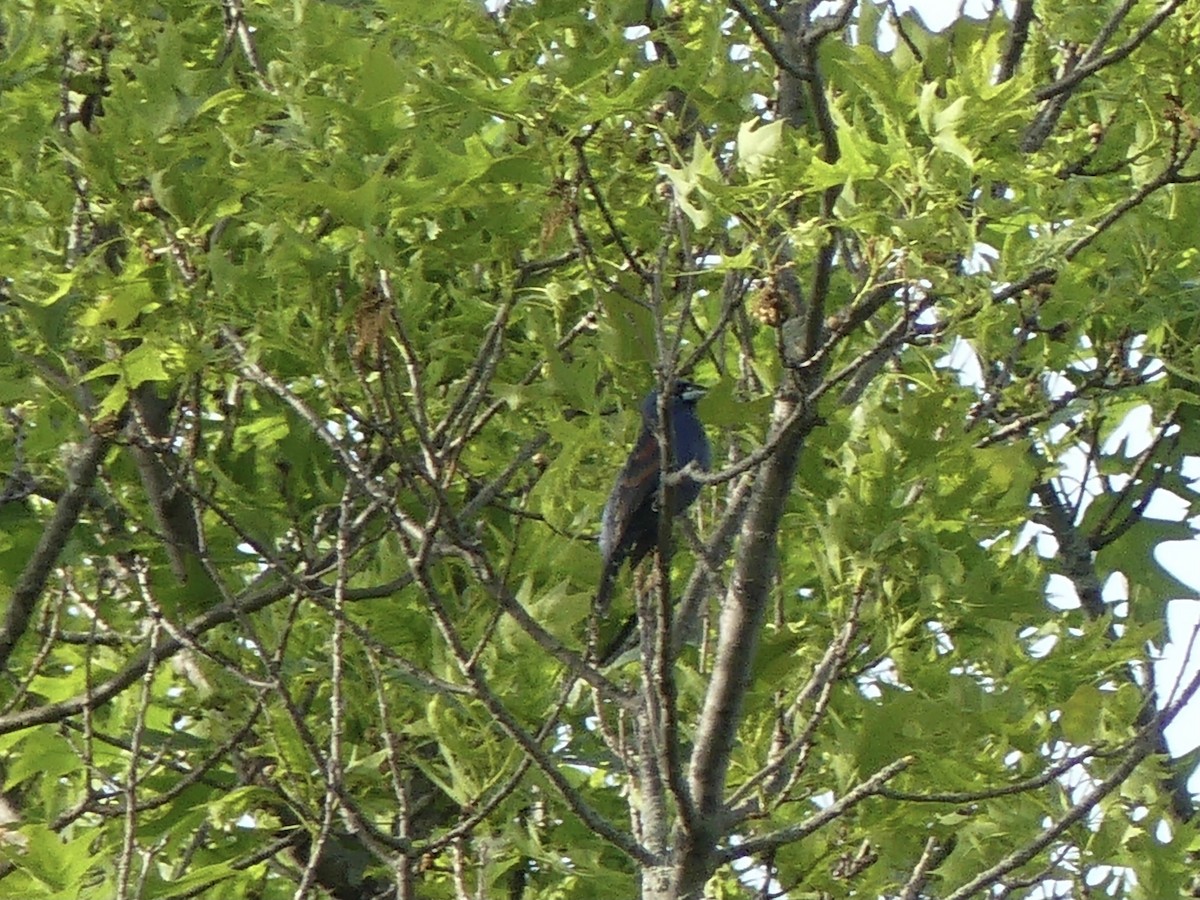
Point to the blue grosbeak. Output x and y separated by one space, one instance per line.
629 526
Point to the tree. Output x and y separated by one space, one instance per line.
325 330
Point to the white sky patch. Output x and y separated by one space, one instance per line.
936 14
1178 664
964 362
1179 660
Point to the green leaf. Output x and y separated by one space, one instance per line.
143 363
757 144
1081 715
695 178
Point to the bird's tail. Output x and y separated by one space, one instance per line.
622 641
608 580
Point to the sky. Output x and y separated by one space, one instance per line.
1180 658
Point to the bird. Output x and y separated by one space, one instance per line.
629 525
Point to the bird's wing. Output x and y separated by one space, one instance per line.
637 482
621 527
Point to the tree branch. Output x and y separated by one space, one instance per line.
1141 749
869 788
54 537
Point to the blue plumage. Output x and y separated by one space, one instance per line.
629 526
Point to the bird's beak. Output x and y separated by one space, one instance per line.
693 392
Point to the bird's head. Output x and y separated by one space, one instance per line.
688 391
682 392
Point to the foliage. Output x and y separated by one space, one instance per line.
324 330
